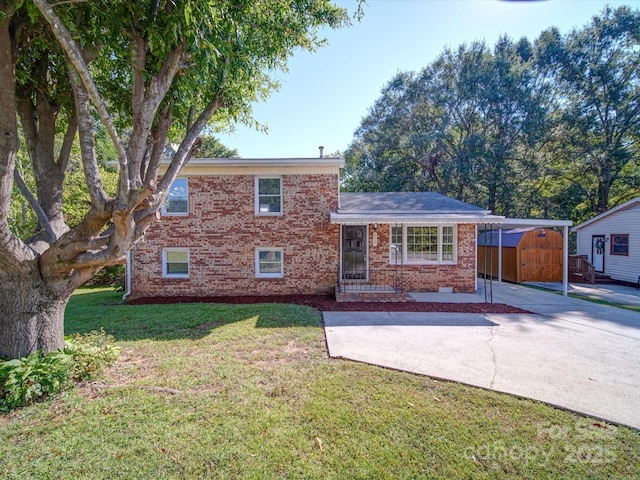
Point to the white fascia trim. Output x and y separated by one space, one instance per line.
535 222
273 162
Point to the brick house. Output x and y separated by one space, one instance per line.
281 226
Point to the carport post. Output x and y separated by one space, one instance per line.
499 255
565 261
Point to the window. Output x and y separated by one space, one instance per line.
422 244
269 263
177 201
429 244
268 196
175 262
395 254
620 244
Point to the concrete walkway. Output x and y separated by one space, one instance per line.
571 353
620 294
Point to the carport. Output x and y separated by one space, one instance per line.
511 223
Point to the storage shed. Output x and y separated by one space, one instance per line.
528 254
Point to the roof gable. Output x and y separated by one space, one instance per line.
633 204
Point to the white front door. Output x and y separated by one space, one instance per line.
597 253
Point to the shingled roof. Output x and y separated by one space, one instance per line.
404 202
408 207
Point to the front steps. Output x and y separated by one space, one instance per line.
373 294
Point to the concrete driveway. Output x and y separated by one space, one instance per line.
570 353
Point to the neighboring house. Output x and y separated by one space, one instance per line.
280 226
611 241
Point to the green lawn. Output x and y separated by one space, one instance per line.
247 391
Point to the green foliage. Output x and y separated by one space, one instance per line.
37 376
112 276
548 128
214 148
26 380
90 354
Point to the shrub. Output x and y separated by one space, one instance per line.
112 276
27 380
90 354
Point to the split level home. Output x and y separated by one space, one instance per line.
610 242
235 226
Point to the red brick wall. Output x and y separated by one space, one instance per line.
222 233
429 278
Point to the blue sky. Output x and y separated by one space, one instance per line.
325 94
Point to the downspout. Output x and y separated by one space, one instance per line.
565 261
500 255
127 280
476 259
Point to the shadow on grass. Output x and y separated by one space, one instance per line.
92 309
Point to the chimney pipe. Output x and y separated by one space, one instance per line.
321 152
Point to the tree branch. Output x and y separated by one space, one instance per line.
185 151
72 50
67 142
159 141
43 220
87 145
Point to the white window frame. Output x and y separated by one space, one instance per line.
277 250
164 204
165 270
258 210
440 234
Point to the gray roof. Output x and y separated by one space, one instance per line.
404 202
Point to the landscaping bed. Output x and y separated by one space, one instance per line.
327 303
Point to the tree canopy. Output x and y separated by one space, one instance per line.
135 75
543 128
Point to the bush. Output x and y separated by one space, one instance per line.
27 380
90 354
112 276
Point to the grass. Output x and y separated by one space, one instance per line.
625 306
247 391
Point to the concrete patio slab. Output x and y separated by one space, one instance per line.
570 353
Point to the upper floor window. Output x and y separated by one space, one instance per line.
620 244
177 201
268 195
424 244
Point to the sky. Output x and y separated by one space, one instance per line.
325 94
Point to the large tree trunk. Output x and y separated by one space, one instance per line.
31 317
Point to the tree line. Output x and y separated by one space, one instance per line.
547 128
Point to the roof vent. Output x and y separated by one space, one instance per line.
321 152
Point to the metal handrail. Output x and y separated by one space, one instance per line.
372 280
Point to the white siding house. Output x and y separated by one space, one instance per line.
611 241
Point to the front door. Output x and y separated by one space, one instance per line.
354 252
597 253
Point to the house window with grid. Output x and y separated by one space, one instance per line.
269 263
395 252
175 262
177 200
423 244
268 195
620 244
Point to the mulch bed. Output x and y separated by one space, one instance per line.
327 303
